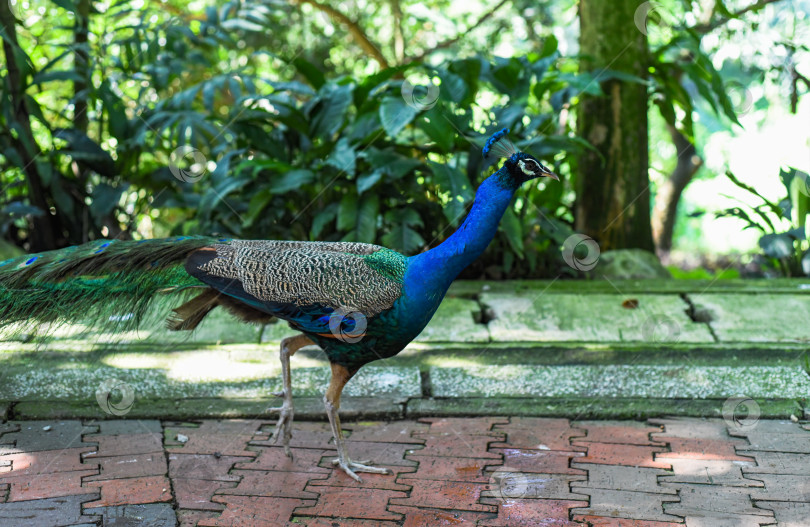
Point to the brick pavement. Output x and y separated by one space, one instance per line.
485 472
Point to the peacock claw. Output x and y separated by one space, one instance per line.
351 467
283 427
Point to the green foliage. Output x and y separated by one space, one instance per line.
275 148
702 274
680 69
784 240
261 119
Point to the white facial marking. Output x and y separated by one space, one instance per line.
526 170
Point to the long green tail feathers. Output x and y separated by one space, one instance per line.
106 284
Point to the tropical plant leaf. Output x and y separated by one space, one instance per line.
511 227
456 184
395 114
291 180
401 236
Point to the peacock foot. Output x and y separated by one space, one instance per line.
283 426
351 467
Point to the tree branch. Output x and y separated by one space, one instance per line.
795 77
355 30
709 26
449 42
398 37
669 194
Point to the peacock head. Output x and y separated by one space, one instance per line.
520 166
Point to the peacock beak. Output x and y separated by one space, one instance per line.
552 175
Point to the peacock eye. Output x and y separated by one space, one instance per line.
526 170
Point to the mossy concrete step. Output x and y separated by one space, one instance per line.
306 408
622 381
469 288
762 318
365 408
662 346
87 383
530 315
576 408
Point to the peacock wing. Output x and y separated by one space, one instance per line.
303 282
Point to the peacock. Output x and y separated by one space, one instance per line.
359 302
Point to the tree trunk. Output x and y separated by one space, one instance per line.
81 60
669 194
613 195
81 63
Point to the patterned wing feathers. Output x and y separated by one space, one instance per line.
300 274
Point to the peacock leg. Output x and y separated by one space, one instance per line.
340 376
284 426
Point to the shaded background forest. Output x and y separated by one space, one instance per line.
677 127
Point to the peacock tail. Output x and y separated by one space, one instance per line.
102 283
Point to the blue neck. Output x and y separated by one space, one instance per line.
438 267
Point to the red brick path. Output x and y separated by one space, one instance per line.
486 472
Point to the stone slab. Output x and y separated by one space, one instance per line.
710 472
208 467
777 463
545 461
449 495
780 443
66 510
626 504
759 434
691 429
44 462
128 466
127 426
344 502
775 436
788 514
627 455
541 434
254 511
540 316
619 477
53 485
508 483
454 321
626 433
707 382
131 491
8 428
146 515
764 318
35 436
782 487
712 498
530 513
699 518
